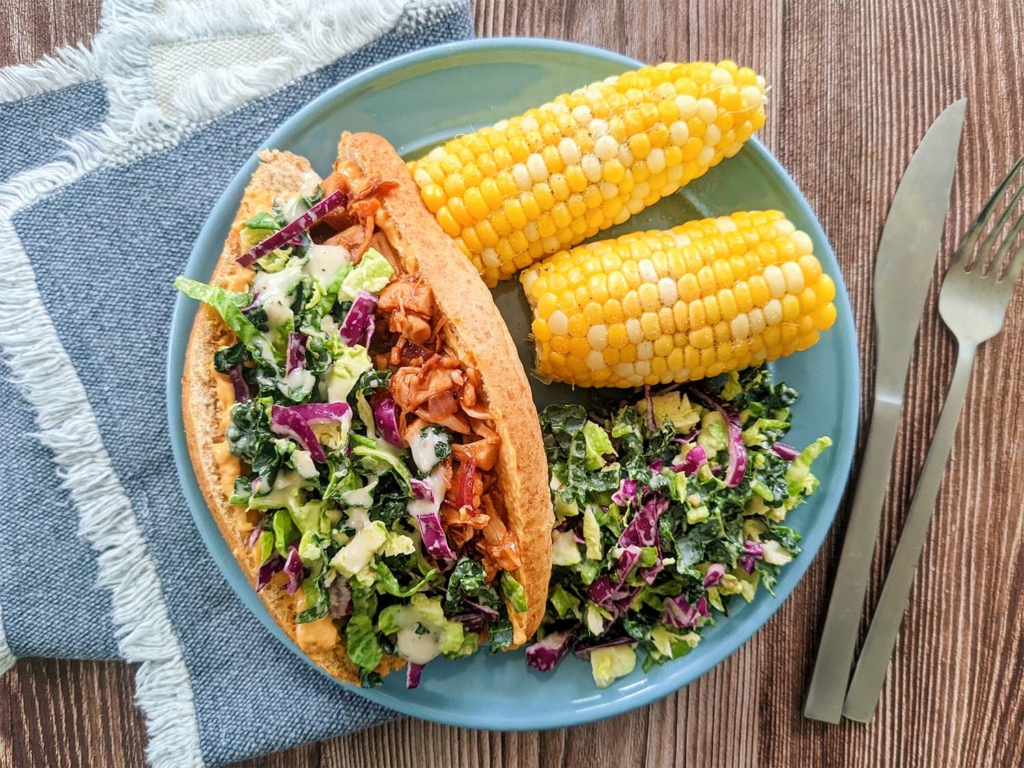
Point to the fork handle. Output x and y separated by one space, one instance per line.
869 675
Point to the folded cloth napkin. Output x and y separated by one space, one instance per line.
110 160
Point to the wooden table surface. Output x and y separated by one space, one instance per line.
853 91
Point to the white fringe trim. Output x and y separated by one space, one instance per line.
64 67
6 657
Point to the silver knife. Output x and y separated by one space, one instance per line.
903 270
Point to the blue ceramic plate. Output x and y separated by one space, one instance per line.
425 97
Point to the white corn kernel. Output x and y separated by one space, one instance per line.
644 350
625 370
490 257
597 337
591 168
521 176
620 217
757 321
606 148
595 361
569 151
582 115
740 327
656 161
647 271
773 312
527 124
678 133
687 106
794 276
558 323
712 135
531 232
598 128
667 291
537 167
803 244
707 111
707 154
776 282
642 368
784 228
751 96
635 205
720 77
634 332
422 178
608 190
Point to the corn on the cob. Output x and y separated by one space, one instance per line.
589 159
657 307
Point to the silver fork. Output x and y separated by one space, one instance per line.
972 303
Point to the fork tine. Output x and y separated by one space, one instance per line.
967 245
1000 259
1016 265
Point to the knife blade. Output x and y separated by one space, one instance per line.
906 259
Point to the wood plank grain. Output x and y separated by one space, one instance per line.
854 87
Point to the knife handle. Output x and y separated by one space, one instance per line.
869 676
839 636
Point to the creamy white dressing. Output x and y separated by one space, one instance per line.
417 648
359 497
284 484
300 379
275 289
303 463
435 479
358 553
328 326
325 261
423 446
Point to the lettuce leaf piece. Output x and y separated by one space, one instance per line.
387 581
372 274
799 480
513 591
361 642
229 306
598 445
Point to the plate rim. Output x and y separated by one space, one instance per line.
180 326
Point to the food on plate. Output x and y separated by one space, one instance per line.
360 424
666 509
556 175
698 300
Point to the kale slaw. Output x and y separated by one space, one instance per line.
667 509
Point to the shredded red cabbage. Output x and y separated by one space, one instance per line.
544 654
340 594
714 575
268 570
737 450
321 413
293 567
239 383
474 622
679 613
785 451
422 490
747 563
643 528
288 422
627 562
434 539
485 612
358 325
652 424
255 536
693 461
296 351
753 548
385 416
627 491
413 672
303 222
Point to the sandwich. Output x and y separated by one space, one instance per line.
360 424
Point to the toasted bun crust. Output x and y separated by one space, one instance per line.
479 337
207 397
